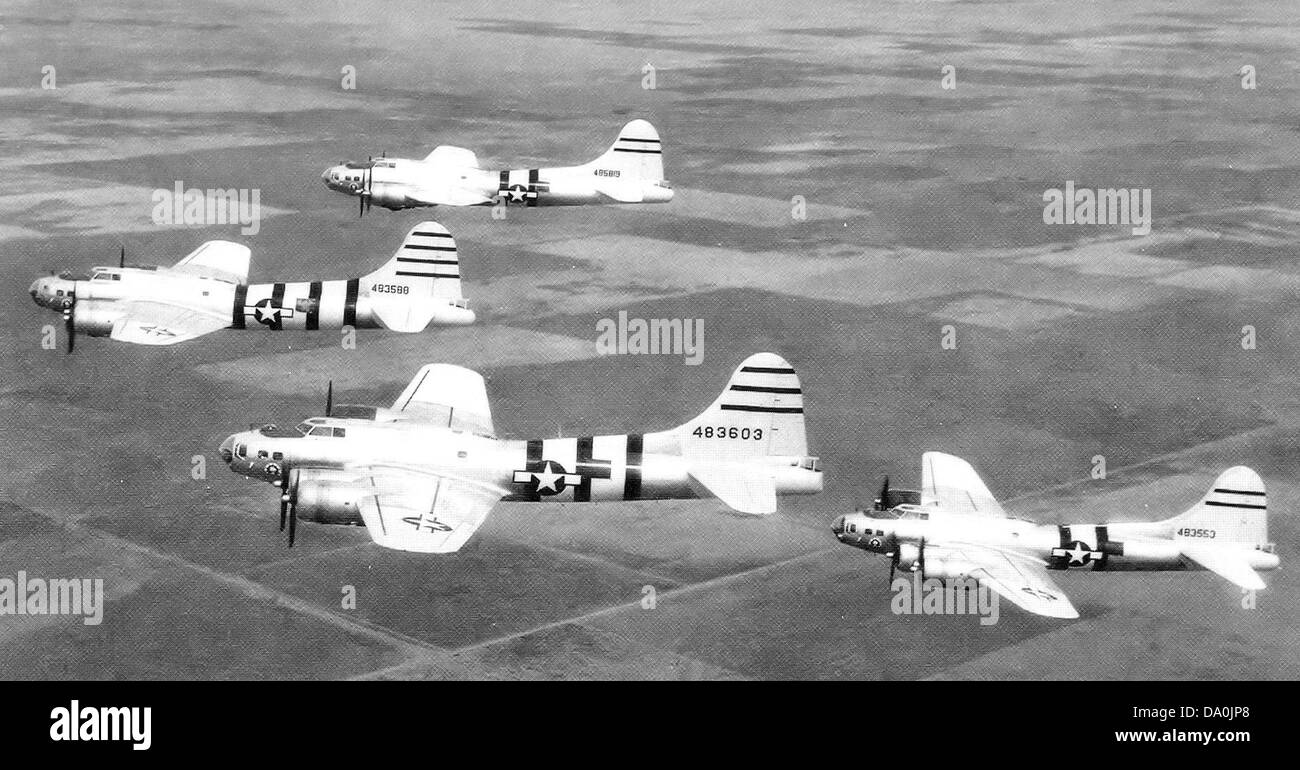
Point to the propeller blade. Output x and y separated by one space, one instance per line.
329 399
293 522
121 257
361 206
284 508
69 331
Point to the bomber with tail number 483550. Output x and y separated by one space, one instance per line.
954 528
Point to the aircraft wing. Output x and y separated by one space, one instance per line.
1022 582
219 260
447 195
951 484
442 186
455 157
447 395
1224 563
424 513
159 323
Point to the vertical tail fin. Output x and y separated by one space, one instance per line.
632 169
1235 510
759 414
420 284
750 444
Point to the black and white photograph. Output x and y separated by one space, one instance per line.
954 344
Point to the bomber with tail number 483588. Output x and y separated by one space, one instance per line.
209 290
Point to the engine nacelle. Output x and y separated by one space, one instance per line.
388 195
329 497
94 319
908 555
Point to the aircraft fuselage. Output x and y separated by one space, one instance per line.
576 469
400 183
1119 546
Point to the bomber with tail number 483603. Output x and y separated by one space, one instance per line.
423 474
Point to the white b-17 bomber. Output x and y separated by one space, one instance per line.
954 528
423 474
631 171
208 290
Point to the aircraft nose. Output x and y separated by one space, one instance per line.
838 526
227 450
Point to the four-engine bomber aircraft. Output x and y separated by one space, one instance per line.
423 474
958 530
208 290
632 171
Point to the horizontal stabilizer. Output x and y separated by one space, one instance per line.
621 192
1224 563
744 490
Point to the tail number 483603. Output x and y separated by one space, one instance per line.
732 432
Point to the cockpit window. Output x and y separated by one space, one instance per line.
321 430
276 431
340 432
241 450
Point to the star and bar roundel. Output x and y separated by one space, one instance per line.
521 187
1083 546
554 466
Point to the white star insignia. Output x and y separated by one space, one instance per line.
548 478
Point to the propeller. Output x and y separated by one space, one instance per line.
882 502
367 188
69 329
329 399
920 559
288 504
121 256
